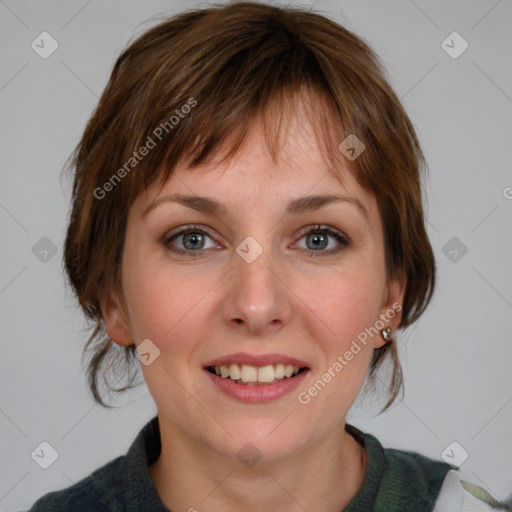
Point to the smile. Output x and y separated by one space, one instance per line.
256 378
254 375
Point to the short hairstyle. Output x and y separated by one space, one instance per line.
186 85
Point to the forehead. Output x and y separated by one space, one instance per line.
253 178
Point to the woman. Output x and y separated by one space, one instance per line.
247 222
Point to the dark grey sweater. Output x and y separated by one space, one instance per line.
396 480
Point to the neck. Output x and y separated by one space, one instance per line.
188 477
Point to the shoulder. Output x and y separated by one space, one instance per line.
414 466
458 495
397 480
405 481
439 480
120 485
409 477
87 494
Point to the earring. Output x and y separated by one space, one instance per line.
386 333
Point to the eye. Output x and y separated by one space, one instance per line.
317 239
190 240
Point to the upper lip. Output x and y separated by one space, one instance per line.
256 360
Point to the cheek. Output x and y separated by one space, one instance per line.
344 307
165 303
344 337
345 301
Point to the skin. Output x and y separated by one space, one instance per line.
291 300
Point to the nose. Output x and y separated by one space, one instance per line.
257 299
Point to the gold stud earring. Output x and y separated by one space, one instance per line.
386 333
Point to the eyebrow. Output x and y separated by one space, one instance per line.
295 207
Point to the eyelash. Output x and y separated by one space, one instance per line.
339 236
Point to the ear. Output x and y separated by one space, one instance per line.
391 305
115 318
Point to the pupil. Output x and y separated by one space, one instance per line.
195 238
315 238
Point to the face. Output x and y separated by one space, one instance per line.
255 286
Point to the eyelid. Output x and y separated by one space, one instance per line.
324 227
183 230
304 230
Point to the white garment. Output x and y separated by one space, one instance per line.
453 497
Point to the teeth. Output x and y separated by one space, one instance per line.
252 374
266 374
234 371
249 373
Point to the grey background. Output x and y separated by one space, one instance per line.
457 358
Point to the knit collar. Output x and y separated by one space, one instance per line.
394 480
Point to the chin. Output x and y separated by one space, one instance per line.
259 441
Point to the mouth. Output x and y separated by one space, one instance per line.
256 378
251 375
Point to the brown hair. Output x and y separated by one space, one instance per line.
229 63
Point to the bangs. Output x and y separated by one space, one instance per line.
221 142
263 73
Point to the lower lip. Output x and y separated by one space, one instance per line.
258 393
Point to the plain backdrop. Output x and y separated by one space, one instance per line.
457 358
